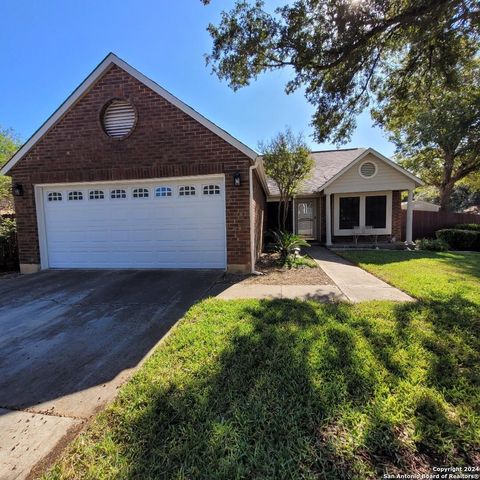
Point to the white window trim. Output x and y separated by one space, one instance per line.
377 231
362 164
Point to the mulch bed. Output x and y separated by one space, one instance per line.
273 274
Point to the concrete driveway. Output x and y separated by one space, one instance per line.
68 340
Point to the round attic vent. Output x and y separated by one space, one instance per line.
119 118
368 169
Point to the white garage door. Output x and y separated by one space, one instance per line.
149 224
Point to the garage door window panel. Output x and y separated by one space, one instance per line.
140 193
211 190
186 191
118 194
72 196
96 195
162 192
54 197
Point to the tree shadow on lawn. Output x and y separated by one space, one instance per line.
316 391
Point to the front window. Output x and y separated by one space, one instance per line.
363 214
349 214
376 211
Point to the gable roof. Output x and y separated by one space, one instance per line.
112 59
331 164
328 163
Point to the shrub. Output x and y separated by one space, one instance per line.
435 245
468 226
293 261
8 244
287 243
460 239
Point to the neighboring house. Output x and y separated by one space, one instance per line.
422 205
125 175
475 209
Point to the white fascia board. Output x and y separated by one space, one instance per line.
110 59
262 175
358 159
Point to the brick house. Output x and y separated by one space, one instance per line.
125 175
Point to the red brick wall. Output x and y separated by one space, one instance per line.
166 142
259 214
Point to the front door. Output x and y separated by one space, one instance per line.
306 218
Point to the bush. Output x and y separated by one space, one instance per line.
460 239
8 245
475 227
294 261
287 243
435 245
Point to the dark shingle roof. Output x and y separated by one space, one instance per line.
327 164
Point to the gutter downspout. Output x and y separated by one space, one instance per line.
252 220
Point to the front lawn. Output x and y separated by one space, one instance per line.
425 275
297 390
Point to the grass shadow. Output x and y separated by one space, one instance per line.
299 390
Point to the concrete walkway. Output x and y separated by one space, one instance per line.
356 284
320 293
350 284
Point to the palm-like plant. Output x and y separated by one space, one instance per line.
287 243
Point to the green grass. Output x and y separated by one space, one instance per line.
425 275
298 390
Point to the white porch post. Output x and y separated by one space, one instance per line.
328 220
409 226
294 217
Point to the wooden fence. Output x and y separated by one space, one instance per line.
425 224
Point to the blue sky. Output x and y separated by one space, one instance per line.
48 47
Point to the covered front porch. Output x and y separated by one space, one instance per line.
355 218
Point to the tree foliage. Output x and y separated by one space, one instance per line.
436 127
287 161
9 144
339 50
